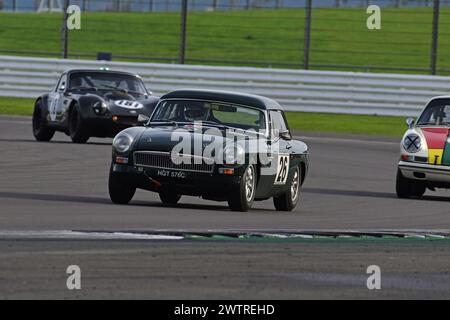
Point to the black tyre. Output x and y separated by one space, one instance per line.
41 130
169 197
407 188
242 198
289 200
120 190
77 128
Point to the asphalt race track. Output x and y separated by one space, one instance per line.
62 186
59 185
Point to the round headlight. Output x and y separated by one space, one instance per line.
234 153
122 143
100 107
412 143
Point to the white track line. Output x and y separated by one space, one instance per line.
64 234
168 235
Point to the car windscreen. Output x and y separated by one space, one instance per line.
214 112
437 113
107 81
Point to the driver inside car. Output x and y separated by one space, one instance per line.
440 117
195 113
76 82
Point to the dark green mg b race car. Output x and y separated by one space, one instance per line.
220 146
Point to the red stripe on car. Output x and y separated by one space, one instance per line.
436 137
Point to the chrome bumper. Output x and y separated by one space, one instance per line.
425 172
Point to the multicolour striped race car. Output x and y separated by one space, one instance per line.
425 151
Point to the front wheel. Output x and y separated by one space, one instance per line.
77 127
120 190
41 130
407 188
242 198
289 200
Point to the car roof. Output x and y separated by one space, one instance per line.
245 99
440 97
99 71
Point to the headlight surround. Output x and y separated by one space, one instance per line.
100 107
412 143
122 142
234 154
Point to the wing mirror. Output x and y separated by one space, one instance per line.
410 122
143 119
62 87
286 135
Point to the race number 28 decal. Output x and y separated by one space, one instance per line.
283 170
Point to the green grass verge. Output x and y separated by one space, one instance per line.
342 123
312 122
16 106
339 36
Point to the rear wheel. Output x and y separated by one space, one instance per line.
242 198
121 191
289 200
407 188
77 127
41 130
169 197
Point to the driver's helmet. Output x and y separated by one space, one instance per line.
441 115
194 113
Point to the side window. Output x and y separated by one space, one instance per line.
278 123
62 83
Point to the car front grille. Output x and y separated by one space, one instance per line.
163 160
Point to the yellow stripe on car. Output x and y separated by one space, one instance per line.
435 156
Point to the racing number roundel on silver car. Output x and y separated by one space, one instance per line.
129 104
412 143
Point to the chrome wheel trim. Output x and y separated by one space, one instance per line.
249 183
295 186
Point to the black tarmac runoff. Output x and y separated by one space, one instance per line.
55 212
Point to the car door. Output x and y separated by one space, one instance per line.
282 149
56 99
275 175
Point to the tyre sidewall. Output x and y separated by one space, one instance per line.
285 202
41 130
121 191
238 200
407 188
79 132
